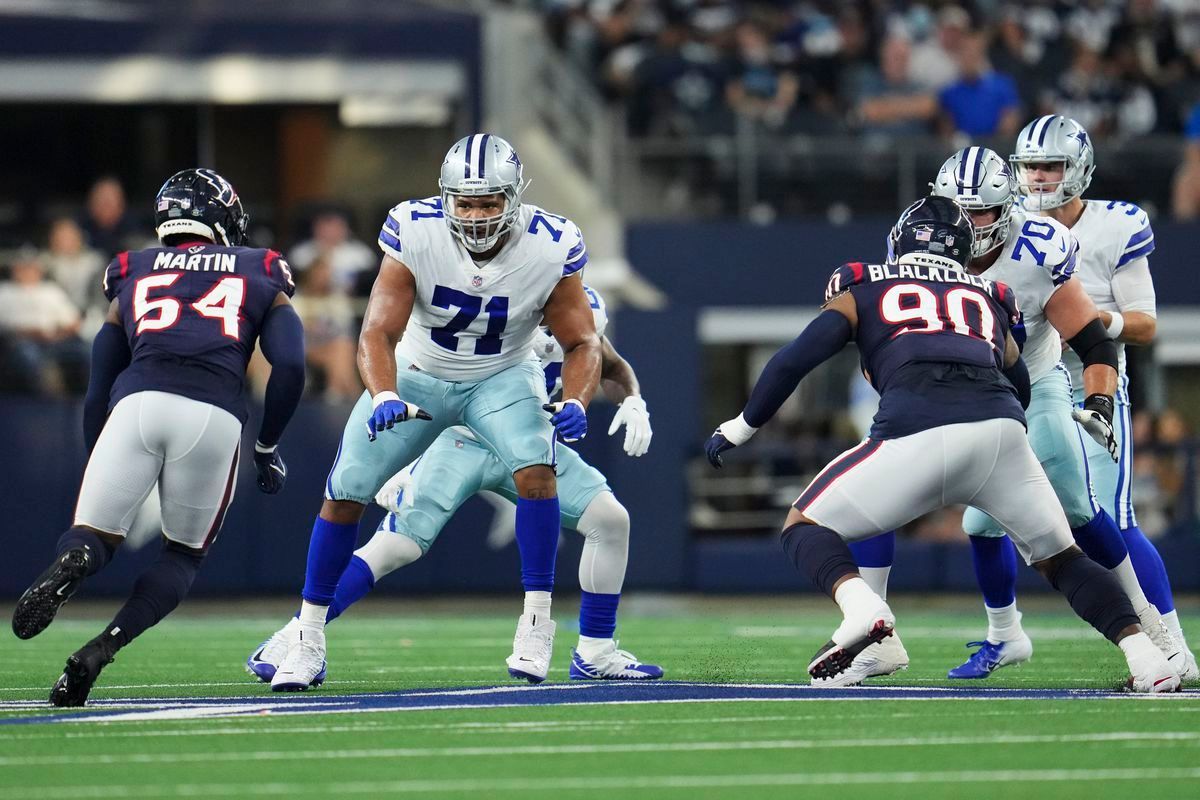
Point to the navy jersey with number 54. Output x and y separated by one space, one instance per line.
931 341
193 314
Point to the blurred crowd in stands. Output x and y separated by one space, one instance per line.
885 69
52 302
1120 67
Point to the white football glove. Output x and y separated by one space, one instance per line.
633 415
391 494
1096 419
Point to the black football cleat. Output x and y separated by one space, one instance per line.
40 603
832 660
71 690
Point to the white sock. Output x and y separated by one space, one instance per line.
1129 582
1004 624
876 578
590 647
857 601
537 604
313 616
1171 620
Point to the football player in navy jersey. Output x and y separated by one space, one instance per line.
165 406
936 342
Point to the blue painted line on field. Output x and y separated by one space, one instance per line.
316 702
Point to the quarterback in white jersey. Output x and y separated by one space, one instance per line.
424 496
466 278
1054 162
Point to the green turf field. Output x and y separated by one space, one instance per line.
927 748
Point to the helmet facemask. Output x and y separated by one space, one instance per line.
1039 196
994 234
478 233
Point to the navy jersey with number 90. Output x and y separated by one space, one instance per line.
193 314
932 342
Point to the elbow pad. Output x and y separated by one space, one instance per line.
1093 346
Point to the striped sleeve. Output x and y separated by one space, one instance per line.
1063 270
577 256
389 235
1139 245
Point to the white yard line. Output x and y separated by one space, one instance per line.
591 748
489 786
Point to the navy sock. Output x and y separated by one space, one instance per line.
1101 540
329 552
878 551
156 592
598 615
100 552
995 569
537 539
354 584
1150 570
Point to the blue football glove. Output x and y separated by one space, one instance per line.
272 472
390 410
569 418
728 435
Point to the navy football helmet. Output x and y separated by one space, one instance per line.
933 226
199 202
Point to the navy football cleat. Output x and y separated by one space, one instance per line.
612 665
991 656
53 588
80 674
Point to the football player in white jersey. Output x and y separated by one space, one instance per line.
423 497
467 278
1053 166
1036 257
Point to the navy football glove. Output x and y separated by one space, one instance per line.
390 410
569 418
728 435
272 472
717 444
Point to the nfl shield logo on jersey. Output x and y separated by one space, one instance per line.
476 281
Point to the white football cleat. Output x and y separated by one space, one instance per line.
1190 671
882 658
532 647
267 657
855 636
304 664
1148 667
1160 634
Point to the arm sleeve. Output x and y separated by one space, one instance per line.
1133 288
282 342
110 355
821 340
1018 376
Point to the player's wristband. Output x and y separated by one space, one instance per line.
737 430
382 398
582 407
1115 325
1102 404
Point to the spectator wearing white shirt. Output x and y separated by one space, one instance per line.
42 326
353 263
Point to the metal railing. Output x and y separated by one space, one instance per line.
756 174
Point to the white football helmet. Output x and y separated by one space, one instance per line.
978 178
1053 138
480 164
